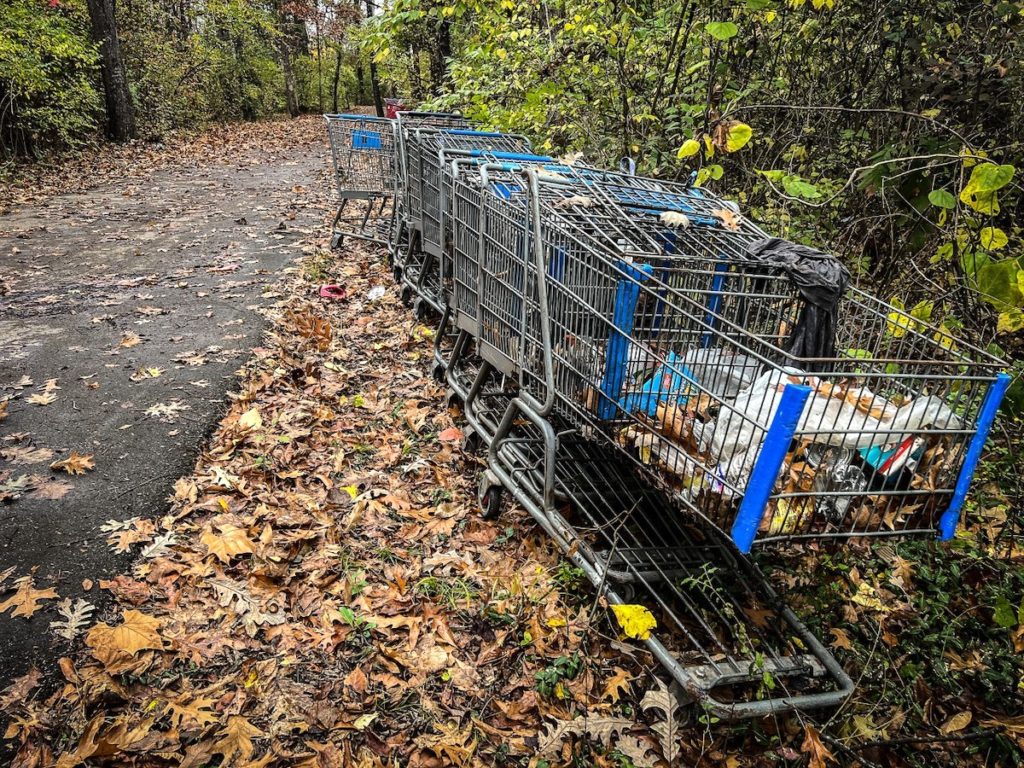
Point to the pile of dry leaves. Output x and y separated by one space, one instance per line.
324 592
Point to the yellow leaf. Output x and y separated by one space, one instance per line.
556 621
251 419
690 148
231 541
993 238
363 721
738 136
351 490
635 620
866 597
957 722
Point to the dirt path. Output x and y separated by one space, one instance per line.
138 300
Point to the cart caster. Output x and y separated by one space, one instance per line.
471 440
406 296
336 240
396 270
421 310
437 371
452 399
490 496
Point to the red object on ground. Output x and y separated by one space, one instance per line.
335 292
392 107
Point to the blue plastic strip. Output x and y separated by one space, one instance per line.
505 191
556 266
714 302
627 291
768 465
951 517
365 140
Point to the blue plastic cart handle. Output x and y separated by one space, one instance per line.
627 292
510 156
372 118
486 134
768 465
951 517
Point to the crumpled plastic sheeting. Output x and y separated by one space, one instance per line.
736 436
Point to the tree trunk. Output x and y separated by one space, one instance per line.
378 102
284 49
360 83
439 56
120 110
334 82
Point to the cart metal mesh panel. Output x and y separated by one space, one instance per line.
435 191
623 534
363 152
410 153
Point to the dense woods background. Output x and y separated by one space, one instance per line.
889 131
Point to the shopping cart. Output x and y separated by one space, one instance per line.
430 152
675 345
363 151
405 234
629 364
500 188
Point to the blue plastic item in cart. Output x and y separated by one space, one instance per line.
671 381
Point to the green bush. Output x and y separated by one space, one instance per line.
47 76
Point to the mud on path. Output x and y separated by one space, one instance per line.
126 307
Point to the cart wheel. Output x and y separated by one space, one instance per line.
626 591
337 240
396 271
490 498
437 371
406 296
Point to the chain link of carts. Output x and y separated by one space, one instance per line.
661 386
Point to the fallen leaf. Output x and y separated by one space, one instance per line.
636 621
450 435
43 398
76 616
229 542
250 419
817 753
25 601
75 464
842 640
957 722
137 632
236 739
